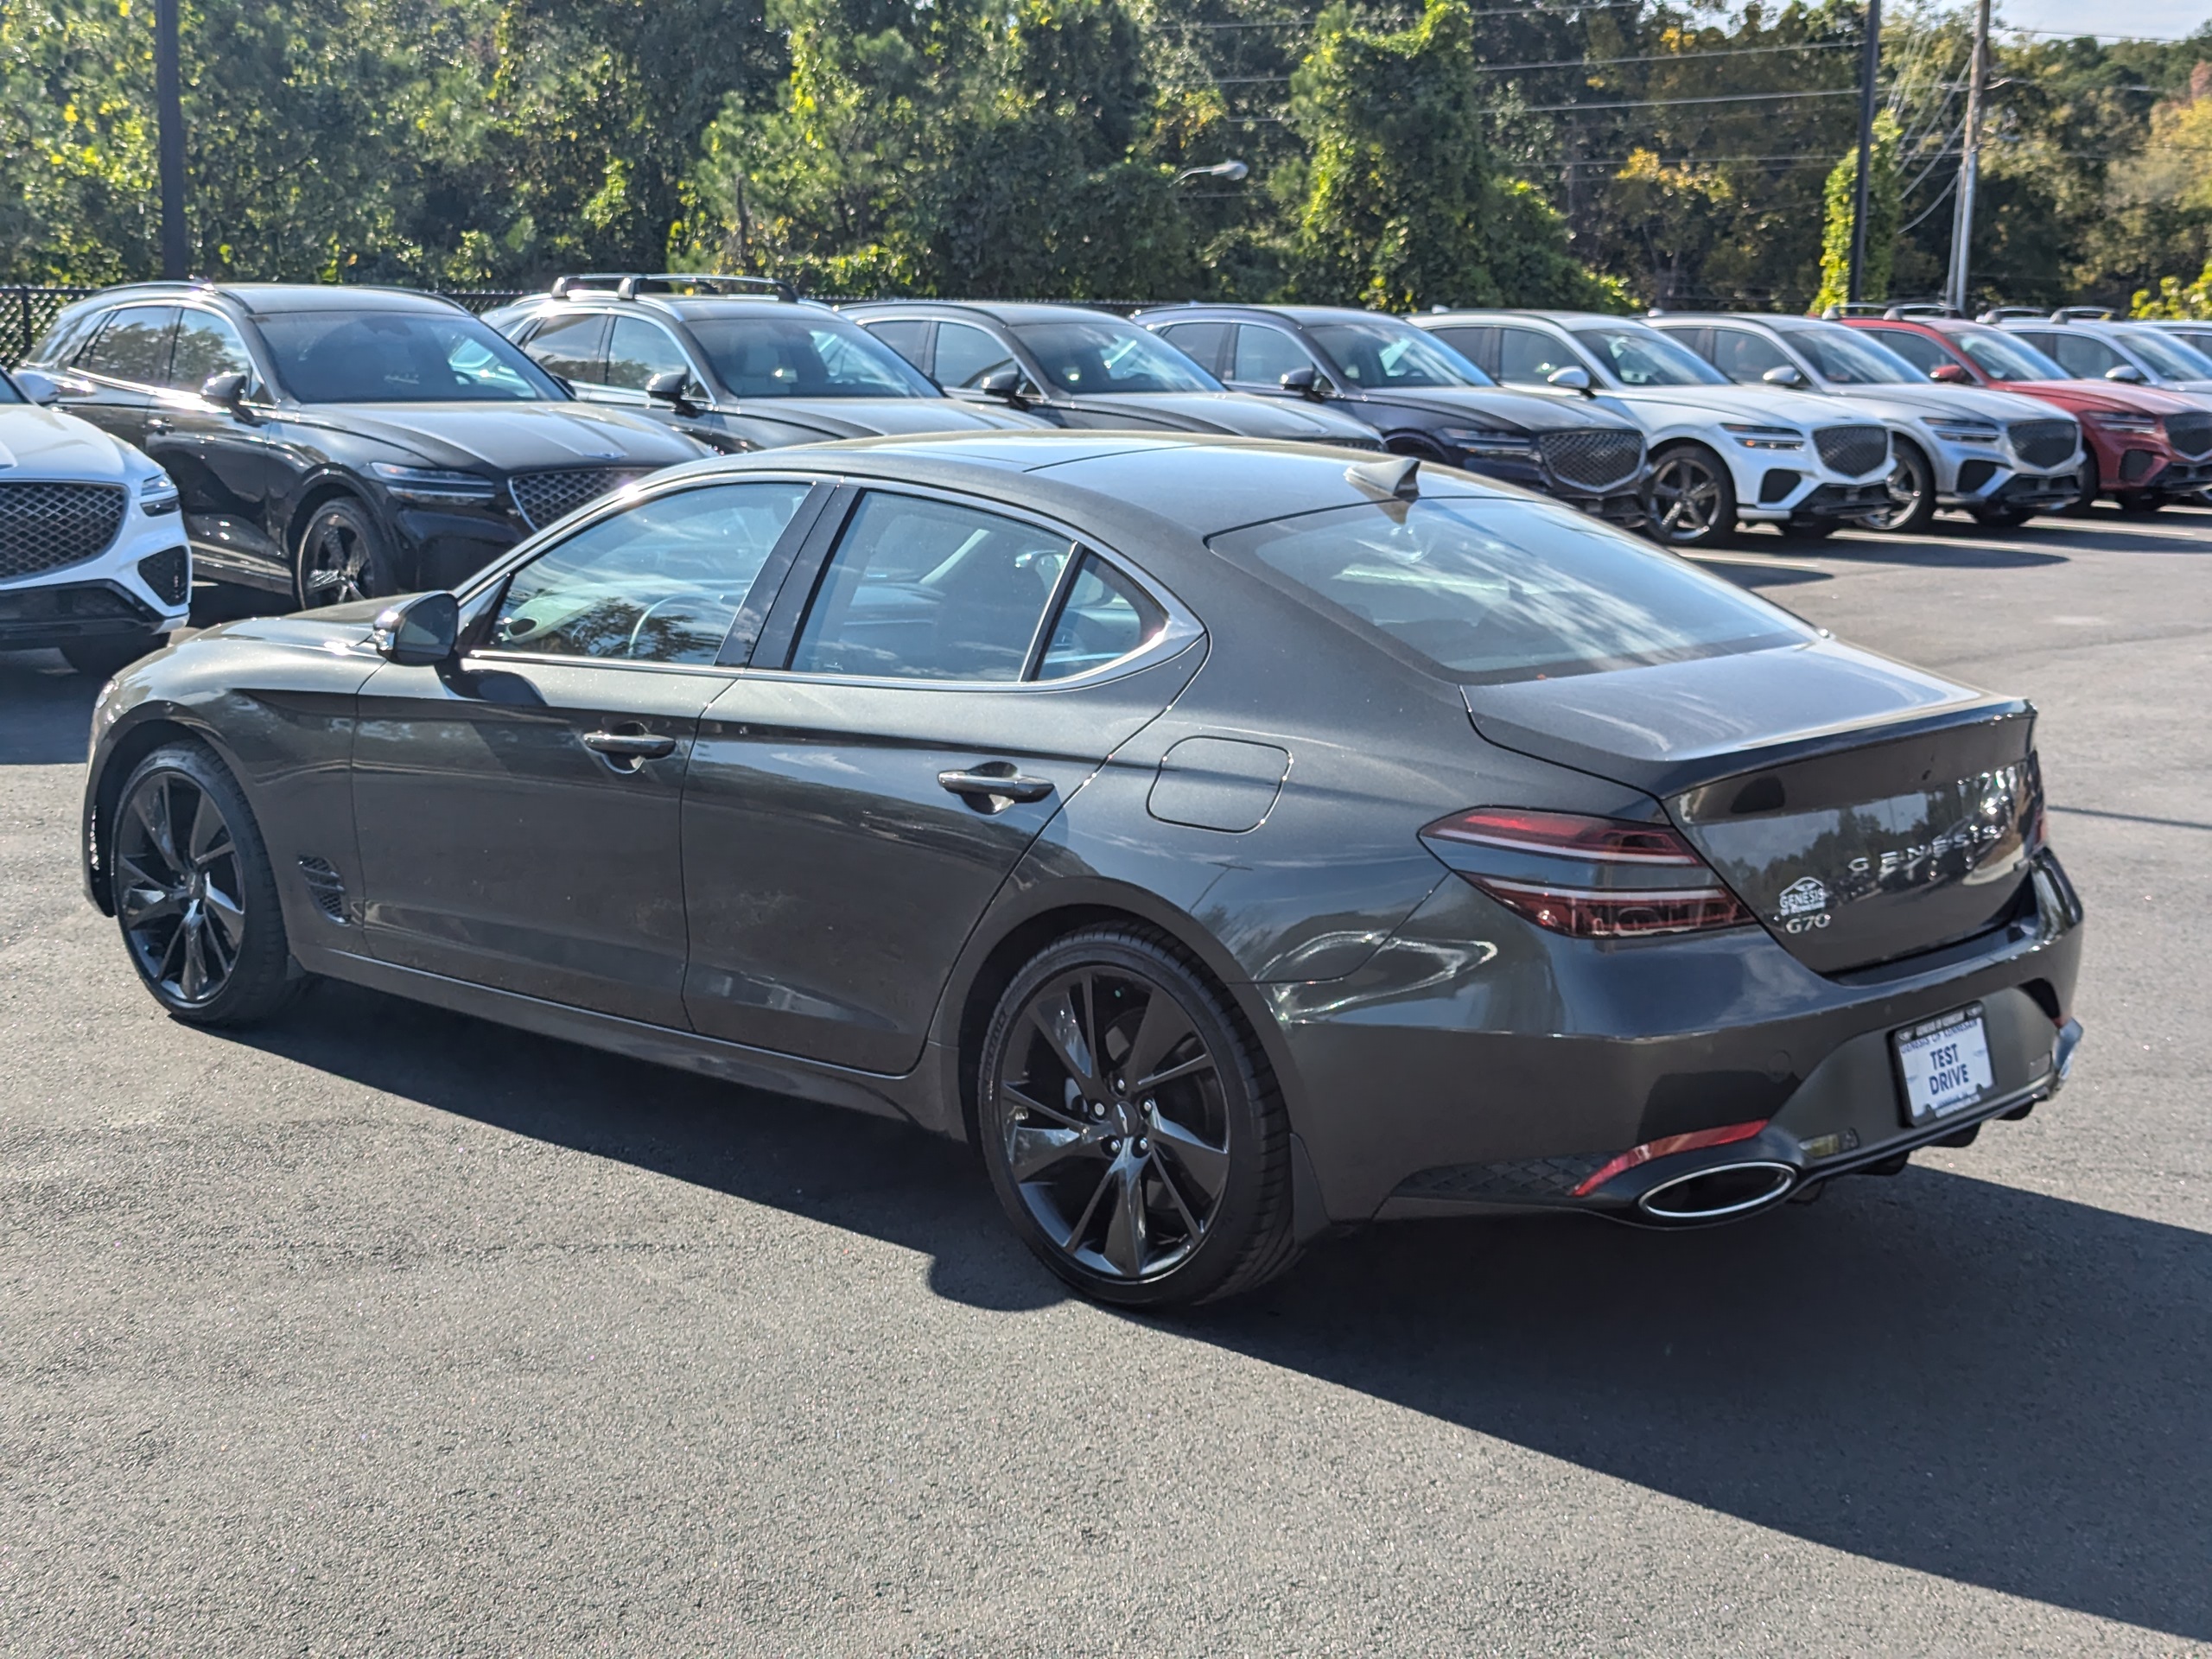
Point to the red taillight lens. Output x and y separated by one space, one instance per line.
1660 1149
1602 841
1654 880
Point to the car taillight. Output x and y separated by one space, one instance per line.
1663 1147
1590 878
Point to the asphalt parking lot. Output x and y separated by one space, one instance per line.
384 1330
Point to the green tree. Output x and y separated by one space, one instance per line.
1883 218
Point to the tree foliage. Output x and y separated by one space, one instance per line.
1884 214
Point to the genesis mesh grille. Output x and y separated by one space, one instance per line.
1592 461
2190 434
2044 443
543 497
1854 451
45 526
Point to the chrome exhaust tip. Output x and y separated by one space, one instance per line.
1719 1194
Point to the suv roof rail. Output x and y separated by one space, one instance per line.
1999 312
630 284
1904 309
1854 308
2082 313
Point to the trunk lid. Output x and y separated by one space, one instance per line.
1864 810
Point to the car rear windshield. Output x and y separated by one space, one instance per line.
399 357
1490 590
1085 355
2001 357
804 357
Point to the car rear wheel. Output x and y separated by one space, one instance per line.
1693 498
342 557
1912 495
1129 1126
195 895
98 658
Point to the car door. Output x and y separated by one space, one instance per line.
231 468
1744 355
520 813
914 717
112 382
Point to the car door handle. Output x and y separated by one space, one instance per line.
630 745
1009 785
157 424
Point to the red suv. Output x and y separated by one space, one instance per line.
2150 446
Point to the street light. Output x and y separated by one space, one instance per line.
1231 170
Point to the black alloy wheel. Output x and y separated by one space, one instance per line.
1912 485
342 557
1126 1128
1693 498
194 893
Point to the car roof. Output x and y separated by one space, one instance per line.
1559 319
266 299
683 307
1006 311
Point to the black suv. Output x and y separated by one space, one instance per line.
334 444
1422 397
737 362
1077 367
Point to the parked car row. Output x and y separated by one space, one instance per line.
328 444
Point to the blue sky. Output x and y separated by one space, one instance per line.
2079 16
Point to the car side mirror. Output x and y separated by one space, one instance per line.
418 632
672 387
1950 374
1570 379
2125 373
1784 374
1002 384
225 390
1306 383
37 385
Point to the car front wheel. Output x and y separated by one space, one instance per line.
342 557
1693 498
1912 495
1128 1125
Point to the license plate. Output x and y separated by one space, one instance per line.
1945 1065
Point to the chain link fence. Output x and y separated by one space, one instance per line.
26 313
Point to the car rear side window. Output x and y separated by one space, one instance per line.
1490 590
905 336
569 347
923 589
1200 341
659 582
1105 617
134 346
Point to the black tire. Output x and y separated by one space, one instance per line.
1912 485
2140 504
341 557
2086 501
101 659
1178 1184
2003 517
1693 498
194 896
1809 530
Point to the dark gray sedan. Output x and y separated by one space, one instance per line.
1230 838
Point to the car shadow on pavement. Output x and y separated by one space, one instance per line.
49 709
1961 1378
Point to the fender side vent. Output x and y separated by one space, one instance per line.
325 887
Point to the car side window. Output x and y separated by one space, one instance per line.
906 337
569 347
1530 357
659 582
2083 358
966 353
1264 355
1475 344
206 345
133 346
638 350
1200 342
921 589
1918 350
1745 357
1104 618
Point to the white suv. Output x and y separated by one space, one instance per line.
92 553
1721 454
2001 456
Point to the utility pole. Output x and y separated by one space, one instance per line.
1969 161
1855 285
168 99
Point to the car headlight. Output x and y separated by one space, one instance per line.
432 484
1766 437
2144 424
157 495
1962 431
1486 441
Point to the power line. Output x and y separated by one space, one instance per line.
1668 103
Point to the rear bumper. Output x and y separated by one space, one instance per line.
1476 1062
